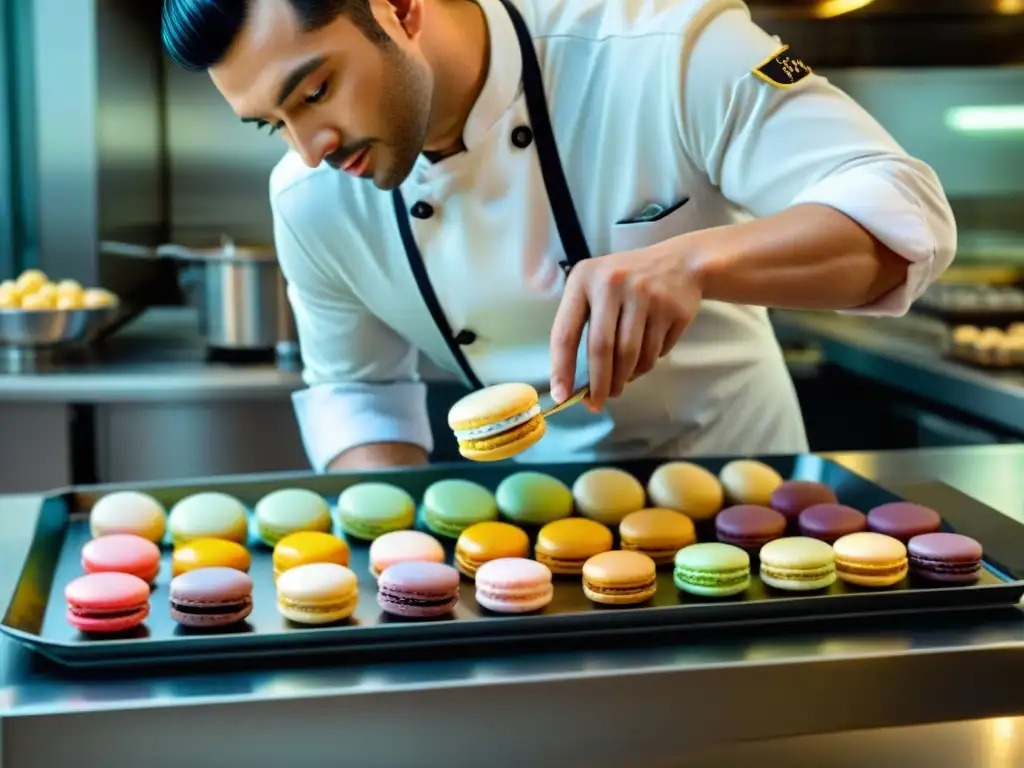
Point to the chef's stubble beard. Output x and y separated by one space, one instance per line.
405 104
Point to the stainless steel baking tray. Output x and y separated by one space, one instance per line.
36 613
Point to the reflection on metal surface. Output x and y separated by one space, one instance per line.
992 743
844 646
1004 743
995 118
829 9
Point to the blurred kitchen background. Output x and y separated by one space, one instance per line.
107 151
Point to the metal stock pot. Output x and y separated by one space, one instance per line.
239 292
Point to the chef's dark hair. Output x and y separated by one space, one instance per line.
197 34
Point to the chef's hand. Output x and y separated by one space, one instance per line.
638 302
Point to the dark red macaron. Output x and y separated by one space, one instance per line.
829 522
794 496
951 558
903 520
749 526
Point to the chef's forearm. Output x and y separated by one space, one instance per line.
806 257
377 456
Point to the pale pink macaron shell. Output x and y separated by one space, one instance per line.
513 585
403 547
122 553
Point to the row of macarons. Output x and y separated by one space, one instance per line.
563 545
529 498
415 582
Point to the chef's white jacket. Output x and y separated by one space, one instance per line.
653 103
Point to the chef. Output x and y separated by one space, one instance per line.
561 192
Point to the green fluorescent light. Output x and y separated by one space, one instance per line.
998 118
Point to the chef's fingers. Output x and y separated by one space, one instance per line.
658 325
672 337
606 307
566 335
629 340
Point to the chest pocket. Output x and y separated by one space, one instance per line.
680 217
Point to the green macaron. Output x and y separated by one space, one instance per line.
368 510
451 506
712 570
534 498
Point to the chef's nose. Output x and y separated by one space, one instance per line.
316 146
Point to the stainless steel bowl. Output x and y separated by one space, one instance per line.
48 328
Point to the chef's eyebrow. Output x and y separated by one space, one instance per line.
291 82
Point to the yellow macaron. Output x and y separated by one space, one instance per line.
497 422
210 553
308 547
483 542
565 545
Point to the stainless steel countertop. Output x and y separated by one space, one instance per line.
906 353
705 691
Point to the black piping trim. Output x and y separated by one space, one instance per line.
419 273
569 230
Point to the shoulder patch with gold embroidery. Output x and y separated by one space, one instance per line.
782 69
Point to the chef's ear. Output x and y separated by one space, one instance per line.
410 16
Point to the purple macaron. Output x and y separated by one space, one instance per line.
794 496
950 558
828 522
211 597
418 589
749 526
903 520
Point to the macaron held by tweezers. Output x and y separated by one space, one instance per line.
290 510
208 515
712 569
317 593
607 494
657 533
565 545
418 590
211 597
128 512
870 559
949 558
107 602
798 564
450 506
368 509
307 547
533 498
210 553
513 585
484 542
402 547
620 577
497 422
122 553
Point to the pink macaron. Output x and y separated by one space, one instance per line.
513 585
107 602
418 590
403 547
122 553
